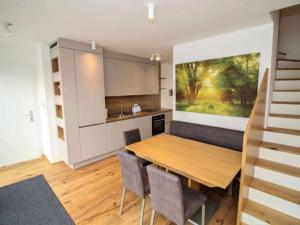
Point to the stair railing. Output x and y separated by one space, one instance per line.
252 139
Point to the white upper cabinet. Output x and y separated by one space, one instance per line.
139 82
123 78
152 79
110 71
90 87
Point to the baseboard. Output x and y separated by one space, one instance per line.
92 160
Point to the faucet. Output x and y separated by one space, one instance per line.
121 111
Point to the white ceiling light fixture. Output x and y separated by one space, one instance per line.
94 46
151 13
155 57
7 29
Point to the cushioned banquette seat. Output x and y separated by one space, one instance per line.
227 138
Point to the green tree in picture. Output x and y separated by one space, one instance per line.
225 86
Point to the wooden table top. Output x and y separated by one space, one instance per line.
207 164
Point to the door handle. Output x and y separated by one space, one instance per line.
30 115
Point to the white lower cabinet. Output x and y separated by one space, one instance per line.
93 141
101 139
115 131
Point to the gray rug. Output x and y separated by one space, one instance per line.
31 202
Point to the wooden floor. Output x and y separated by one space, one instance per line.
91 195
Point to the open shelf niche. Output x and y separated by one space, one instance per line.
60 133
58 109
57 90
55 65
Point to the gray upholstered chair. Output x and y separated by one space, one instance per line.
170 198
131 137
134 178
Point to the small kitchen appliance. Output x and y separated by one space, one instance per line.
135 108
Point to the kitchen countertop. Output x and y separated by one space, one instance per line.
136 115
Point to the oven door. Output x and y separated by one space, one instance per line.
158 124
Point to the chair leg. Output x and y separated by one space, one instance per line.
142 212
122 200
203 214
152 217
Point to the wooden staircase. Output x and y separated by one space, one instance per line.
270 182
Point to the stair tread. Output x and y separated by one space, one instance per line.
292 60
267 214
280 147
288 68
278 167
289 116
284 102
295 90
283 130
281 53
287 79
275 189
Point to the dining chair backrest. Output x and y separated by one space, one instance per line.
132 173
132 136
166 192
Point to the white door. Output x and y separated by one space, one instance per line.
18 131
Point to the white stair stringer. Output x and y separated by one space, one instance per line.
280 138
276 203
280 157
284 123
287 84
288 73
285 109
286 96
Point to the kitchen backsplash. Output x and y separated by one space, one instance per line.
147 102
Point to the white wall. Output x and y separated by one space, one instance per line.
166 72
19 137
256 39
289 41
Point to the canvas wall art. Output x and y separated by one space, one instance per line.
224 86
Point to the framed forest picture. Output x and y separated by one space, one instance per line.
224 86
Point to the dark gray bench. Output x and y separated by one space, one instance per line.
222 137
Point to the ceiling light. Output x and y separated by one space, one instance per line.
7 29
94 46
155 57
150 11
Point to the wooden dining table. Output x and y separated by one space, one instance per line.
206 164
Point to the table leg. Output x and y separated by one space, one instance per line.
230 189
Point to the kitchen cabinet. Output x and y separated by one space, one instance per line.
152 79
110 71
90 87
79 98
115 130
139 84
92 141
114 133
124 78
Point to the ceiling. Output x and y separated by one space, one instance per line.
122 25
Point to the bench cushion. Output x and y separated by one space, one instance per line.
222 137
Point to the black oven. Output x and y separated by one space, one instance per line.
158 124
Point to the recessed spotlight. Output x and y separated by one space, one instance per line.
7 29
150 11
155 57
94 46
